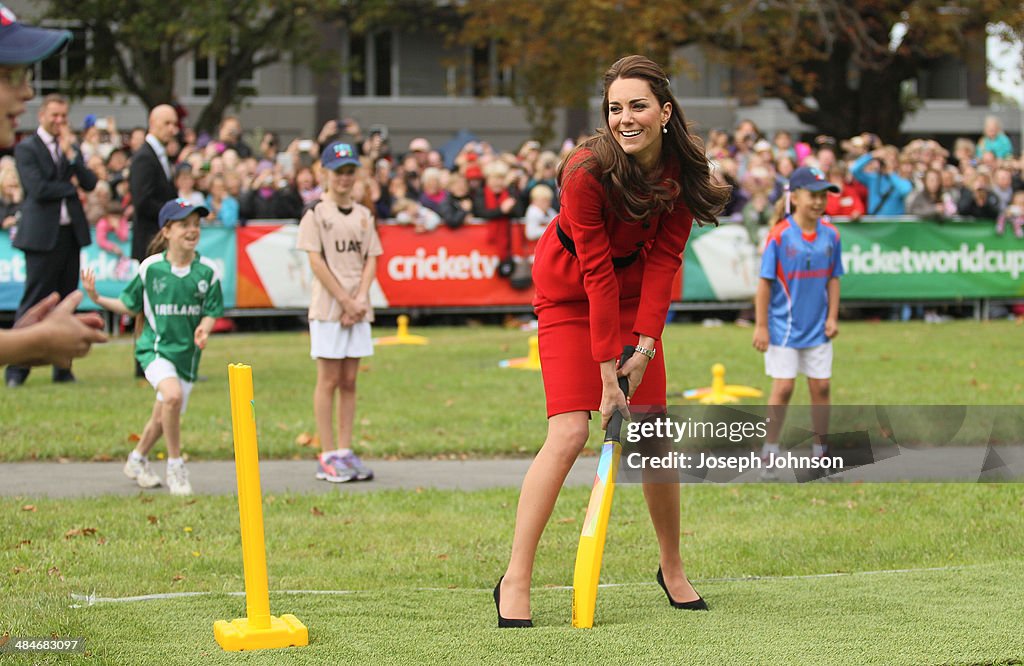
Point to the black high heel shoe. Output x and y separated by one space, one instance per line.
697 604
507 623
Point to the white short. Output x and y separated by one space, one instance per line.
787 362
329 339
161 369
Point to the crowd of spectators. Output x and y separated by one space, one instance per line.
419 186
980 179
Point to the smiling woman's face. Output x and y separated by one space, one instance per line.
635 119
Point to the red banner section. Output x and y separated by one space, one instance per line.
251 293
446 267
440 268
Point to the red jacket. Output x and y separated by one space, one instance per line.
845 204
590 280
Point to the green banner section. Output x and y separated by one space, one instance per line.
113 274
882 260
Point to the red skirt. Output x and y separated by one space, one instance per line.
572 378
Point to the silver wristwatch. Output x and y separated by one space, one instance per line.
649 353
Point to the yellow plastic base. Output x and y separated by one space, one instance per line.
530 362
403 337
401 340
720 393
284 631
524 363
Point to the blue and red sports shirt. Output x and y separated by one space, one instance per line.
800 265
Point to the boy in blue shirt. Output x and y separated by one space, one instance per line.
797 304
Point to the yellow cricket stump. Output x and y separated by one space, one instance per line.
403 337
259 630
530 362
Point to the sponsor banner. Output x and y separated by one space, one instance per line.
882 261
930 260
459 268
112 273
271 272
446 268
441 268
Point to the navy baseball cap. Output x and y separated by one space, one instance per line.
337 155
22 44
179 209
811 179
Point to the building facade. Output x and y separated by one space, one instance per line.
416 85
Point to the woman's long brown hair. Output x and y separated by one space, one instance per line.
625 184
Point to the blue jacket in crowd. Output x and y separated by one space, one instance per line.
886 191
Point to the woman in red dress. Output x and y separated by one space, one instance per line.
604 272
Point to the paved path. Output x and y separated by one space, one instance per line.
79 479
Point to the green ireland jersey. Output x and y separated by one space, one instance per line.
174 300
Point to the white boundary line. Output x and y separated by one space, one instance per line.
92 599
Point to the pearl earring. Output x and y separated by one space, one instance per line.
664 129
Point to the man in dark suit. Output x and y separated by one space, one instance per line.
151 184
53 227
149 178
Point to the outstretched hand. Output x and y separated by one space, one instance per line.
61 335
89 283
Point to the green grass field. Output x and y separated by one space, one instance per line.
418 568
927 573
451 399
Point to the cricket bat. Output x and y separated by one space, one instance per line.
595 525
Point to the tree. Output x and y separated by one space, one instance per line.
837 64
136 44
841 65
559 48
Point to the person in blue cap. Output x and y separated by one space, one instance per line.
797 304
341 239
179 292
21 46
49 332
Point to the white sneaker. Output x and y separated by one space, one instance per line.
140 471
177 480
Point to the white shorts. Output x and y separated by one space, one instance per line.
329 339
787 362
161 369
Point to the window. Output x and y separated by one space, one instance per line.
481 71
204 75
487 78
368 65
357 67
51 75
382 64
